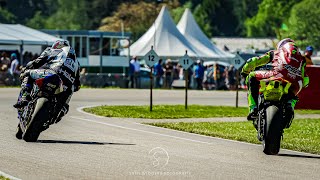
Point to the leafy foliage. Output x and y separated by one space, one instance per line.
304 24
132 15
6 16
269 19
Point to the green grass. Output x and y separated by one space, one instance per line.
175 111
307 111
168 111
10 86
4 178
303 135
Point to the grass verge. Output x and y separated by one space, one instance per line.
175 111
168 111
303 135
4 178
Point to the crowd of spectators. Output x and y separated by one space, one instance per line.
10 67
210 77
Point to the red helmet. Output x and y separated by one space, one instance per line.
283 42
60 44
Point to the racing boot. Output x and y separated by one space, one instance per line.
253 113
23 100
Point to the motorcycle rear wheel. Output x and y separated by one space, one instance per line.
273 131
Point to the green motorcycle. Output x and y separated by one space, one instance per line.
275 113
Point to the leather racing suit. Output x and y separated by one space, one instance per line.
287 63
56 67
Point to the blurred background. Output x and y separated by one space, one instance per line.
101 31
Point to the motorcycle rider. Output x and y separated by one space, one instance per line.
52 70
287 63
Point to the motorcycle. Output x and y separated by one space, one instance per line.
275 113
42 110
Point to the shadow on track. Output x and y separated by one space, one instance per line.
79 142
300 156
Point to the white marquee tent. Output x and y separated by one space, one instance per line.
200 42
165 38
17 34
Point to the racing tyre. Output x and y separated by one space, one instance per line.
273 131
19 132
39 117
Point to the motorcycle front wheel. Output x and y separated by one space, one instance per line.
39 117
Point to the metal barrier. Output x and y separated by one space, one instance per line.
104 80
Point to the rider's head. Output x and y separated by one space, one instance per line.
283 42
60 44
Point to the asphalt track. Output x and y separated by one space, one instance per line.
83 146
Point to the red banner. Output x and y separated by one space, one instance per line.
310 96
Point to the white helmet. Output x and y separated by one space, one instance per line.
283 42
60 44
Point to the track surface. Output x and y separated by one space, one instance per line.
89 147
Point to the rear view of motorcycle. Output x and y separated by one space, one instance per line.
39 114
275 113
48 83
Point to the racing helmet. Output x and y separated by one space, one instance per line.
60 44
283 42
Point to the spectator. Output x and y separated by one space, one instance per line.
190 73
307 54
231 77
209 76
5 60
168 74
131 75
217 76
26 58
14 68
136 65
158 72
175 72
35 56
181 72
198 74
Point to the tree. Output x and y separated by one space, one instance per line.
70 15
304 23
270 17
203 21
6 16
136 17
178 12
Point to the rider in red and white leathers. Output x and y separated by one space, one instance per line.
287 63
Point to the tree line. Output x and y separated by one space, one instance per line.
298 19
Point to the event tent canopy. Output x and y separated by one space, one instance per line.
21 35
200 42
165 38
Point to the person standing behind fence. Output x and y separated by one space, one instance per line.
14 68
307 55
158 72
131 75
216 76
136 65
231 77
5 60
168 74
198 74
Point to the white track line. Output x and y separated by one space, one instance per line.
80 109
8 176
139 130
